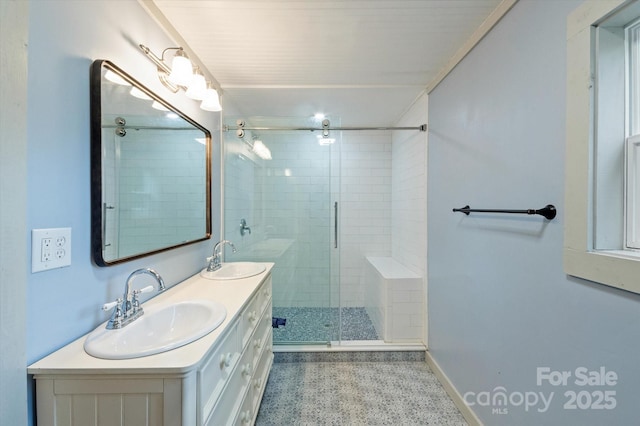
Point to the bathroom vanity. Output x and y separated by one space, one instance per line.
217 380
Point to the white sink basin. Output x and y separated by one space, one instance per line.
162 327
234 271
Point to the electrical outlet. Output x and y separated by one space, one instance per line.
50 248
45 252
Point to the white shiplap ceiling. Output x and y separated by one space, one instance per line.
362 63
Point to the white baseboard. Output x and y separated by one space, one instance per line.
466 412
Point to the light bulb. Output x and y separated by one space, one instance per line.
198 87
211 100
181 69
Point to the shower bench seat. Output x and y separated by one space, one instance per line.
394 300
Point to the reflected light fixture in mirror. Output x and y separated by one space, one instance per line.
325 140
115 78
261 150
157 105
137 93
184 75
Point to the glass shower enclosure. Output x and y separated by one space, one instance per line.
281 192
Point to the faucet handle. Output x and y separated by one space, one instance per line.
134 298
117 316
111 305
146 289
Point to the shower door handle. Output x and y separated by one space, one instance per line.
335 224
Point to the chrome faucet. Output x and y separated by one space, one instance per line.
128 309
214 261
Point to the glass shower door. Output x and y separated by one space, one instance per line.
282 185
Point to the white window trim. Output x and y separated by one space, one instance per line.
612 268
632 240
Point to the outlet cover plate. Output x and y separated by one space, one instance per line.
50 248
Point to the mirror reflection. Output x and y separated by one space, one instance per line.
150 171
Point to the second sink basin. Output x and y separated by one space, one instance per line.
234 271
162 327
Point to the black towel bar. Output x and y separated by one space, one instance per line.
548 211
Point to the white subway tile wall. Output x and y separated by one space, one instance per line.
365 213
409 211
409 200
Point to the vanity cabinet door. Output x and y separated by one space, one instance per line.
93 401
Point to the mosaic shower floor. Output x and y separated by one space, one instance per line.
322 324
355 393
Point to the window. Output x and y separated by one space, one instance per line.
632 182
602 198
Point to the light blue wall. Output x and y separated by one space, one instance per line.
500 305
64 38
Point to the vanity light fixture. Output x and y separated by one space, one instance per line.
184 75
198 86
181 72
211 101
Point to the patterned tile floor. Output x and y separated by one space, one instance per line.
355 393
321 324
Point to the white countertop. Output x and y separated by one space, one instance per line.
233 294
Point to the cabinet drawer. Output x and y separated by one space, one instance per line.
261 373
238 385
215 372
246 414
251 316
261 338
263 295
249 321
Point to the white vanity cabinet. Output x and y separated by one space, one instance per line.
237 371
217 380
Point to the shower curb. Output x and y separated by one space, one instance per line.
350 356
